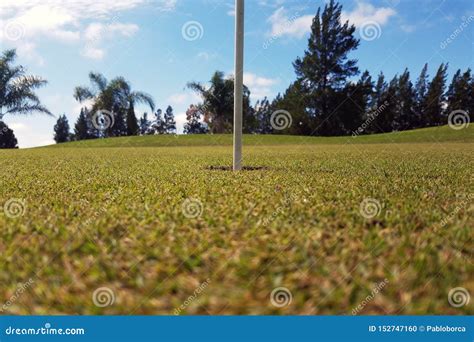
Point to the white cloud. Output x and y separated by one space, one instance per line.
259 86
365 12
96 33
293 26
184 98
26 22
297 26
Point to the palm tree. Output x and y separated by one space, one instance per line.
17 90
217 104
115 96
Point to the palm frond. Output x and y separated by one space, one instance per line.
98 80
142 97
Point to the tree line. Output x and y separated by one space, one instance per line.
326 98
112 112
330 96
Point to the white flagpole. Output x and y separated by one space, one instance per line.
238 83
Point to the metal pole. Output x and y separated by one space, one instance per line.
238 82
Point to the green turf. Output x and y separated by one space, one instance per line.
113 217
426 135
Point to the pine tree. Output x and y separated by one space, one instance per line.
81 128
194 124
169 121
158 126
354 105
61 130
326 66
459 92
132 124
263 112
384 115
421 88
144 124
293 101
7 137
405 102
379 90
119 126
435 98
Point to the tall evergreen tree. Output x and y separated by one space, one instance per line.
7 137
169 121
386 112
158 126
293 101
354 105
132 123
326 66
61 130
459 92
263 111
379 89
421 88
144 124
405 102
435 99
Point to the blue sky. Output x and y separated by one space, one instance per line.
160 45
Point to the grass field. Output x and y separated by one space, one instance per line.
330 220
